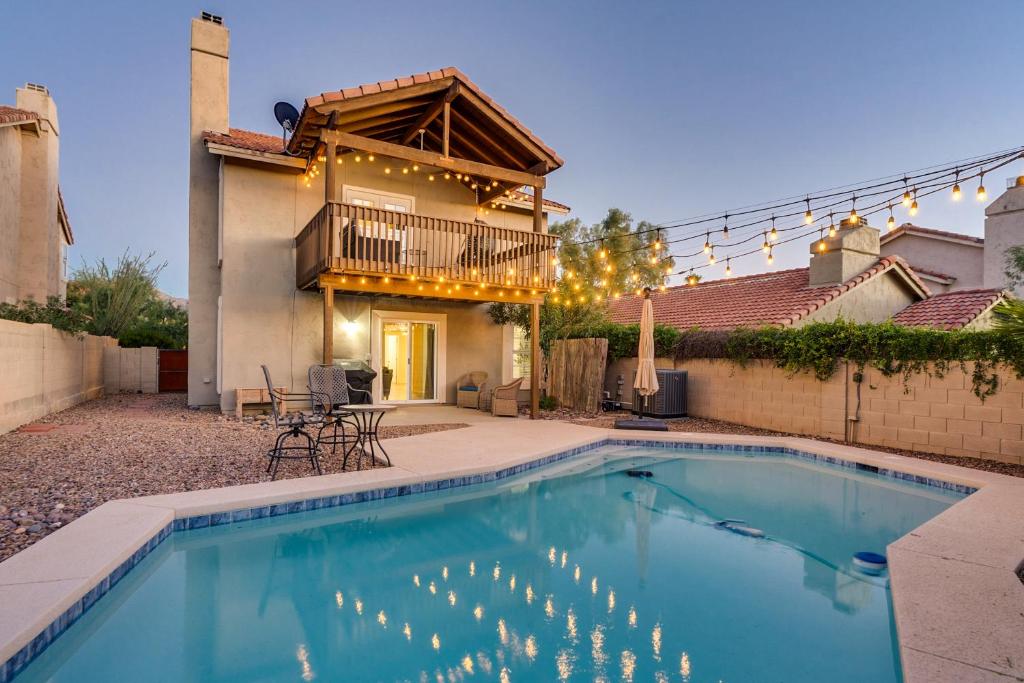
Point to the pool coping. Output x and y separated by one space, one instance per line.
957 600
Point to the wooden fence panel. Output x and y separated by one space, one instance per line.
576 373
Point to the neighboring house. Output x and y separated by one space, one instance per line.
950 261
34 228
375 234
969 309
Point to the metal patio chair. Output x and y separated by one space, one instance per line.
329 393
292 425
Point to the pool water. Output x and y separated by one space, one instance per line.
576 572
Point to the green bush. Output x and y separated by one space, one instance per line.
548 402
54 312
818 348
624 340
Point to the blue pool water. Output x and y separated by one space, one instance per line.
576 572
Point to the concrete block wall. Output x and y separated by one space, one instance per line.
44 370
134 371
928 414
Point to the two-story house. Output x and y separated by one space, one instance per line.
34 228
376 232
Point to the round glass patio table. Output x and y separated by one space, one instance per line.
366 417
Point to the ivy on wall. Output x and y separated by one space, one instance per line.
818 348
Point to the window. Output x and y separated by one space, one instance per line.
520 354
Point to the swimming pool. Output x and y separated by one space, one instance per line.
575 572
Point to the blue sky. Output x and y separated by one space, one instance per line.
663 109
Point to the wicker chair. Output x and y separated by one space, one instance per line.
505 399
470 388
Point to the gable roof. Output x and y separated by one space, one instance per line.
950 310
776 298
911 229
389 110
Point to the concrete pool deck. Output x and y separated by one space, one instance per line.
957 599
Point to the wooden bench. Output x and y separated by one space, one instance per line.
252 397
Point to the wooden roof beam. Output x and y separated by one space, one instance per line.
432 112
431 158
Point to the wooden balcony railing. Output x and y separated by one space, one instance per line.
347 239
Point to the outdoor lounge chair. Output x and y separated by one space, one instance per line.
505 399
292 425
329 392
470 389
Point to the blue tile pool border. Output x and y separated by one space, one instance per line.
21 659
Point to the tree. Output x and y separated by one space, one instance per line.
111 300
605 261
160 323
1015 266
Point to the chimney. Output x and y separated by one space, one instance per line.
850 252
208 110
1004 228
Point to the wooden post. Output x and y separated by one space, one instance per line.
447 127
535 371
331 174
328 325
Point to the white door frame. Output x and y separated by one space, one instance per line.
440 320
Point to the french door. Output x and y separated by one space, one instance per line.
408 356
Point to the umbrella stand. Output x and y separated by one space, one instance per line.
648 383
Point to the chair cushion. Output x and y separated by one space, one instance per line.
469 389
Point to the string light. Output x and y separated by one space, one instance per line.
766 246
831 225
773 234
808 216
387 171
691 279
956 187
854 218
707 242
982 195
728 267
891 223
358 158
771 257
370 157
913 205
906 193
711 258
725 228
821 242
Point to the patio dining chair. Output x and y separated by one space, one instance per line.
329 393
505 399
292 426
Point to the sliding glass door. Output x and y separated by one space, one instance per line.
408 360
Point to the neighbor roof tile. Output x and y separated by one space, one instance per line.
950 310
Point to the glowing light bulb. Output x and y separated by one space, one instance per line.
771 258
415 167
728 268
766 246
711 258
913 208
907 198
707 244
668 271
821 246
891 223
370 157
774 234
447 176
387 171
957 195
982 195
358 158
808 216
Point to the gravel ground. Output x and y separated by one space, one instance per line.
695 424
133 445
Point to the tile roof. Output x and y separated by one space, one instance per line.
262 142
427 77
15 115
246 139
911 229
776 298
950 310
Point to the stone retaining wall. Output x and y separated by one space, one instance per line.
928 414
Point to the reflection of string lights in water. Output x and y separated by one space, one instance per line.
339 599
485 662
467 664
531 647
597 652
552 554
684 666
611 601
593 585
382 619
563 662
416 580
407 631
565 558
435 641
504 676
660 677
628 663
451 598
631 617
433 588
529 594
502 632
472 568
359 606
303 656
478 612
512 583
656 642
570 625
497 571
576 574
549 608
444 573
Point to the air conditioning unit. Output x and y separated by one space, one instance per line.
670 401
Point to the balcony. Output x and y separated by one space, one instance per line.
363 249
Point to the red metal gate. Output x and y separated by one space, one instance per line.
173 374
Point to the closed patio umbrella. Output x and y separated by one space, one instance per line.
646 382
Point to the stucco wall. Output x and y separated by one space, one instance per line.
964 262
1004 228
10 212
46 370
873 301
131 371
930 414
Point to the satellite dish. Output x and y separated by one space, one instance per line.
287 116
